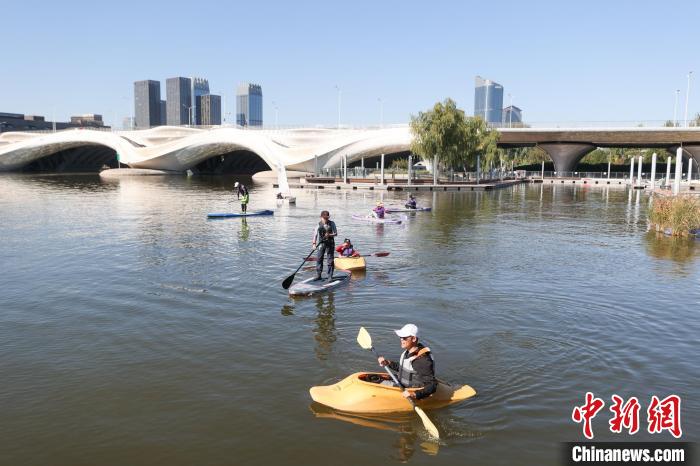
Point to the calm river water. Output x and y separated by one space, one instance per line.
134 331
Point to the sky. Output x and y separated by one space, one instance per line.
589 61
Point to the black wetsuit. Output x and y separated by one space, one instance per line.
424 366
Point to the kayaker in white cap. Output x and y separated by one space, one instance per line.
415 367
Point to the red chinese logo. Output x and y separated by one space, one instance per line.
626 415
665 415
587 412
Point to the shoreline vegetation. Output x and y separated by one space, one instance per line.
676 215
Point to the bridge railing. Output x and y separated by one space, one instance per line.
604 175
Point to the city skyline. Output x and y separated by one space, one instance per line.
556 73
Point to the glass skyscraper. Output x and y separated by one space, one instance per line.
200 87
146 104
178 101
488 100
249 111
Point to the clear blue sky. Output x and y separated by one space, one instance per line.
562 61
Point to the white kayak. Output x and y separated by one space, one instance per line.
371 219
312 286
406 209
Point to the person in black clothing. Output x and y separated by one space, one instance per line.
324 236
415 367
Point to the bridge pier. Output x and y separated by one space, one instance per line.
566 155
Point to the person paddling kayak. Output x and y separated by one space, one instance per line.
411 202
324 236
347 249
379 211
415 367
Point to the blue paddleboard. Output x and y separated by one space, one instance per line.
239 214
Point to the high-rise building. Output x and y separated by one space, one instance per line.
128 123
146 104
249 110
512 115
210 109
163 113
488 100
179 101
200 87
88 119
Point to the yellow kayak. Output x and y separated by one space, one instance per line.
350 263
356 394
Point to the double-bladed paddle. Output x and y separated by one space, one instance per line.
365 341
375 254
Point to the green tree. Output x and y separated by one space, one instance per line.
456 140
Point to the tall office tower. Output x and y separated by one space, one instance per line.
163 114
488 100
249 105
146 103
512 115
200 87
179 101
210 109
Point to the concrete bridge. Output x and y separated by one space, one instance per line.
567 146
227 149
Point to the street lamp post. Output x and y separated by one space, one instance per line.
510 111
338 89
675 109
687 93
189 113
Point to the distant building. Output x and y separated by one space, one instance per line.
512 115
200 87
89 119
163 114
21 122
128 122
178 101
210 109
146 104
488 100
249 105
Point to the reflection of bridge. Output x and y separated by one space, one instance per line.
225 149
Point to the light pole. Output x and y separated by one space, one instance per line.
687 92
338 89
274 105
381 112
675 109
510 111
189 113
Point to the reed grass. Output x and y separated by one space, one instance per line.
680 214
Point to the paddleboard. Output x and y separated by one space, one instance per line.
389 220
312 286
240 214
406 209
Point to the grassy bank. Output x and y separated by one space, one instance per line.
679 214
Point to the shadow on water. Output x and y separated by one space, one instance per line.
405 444
675 248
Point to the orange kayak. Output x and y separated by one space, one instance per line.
350 263
357 394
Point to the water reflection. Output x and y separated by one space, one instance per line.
404 446
325 331
678 249
244 232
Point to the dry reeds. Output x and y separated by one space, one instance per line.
679 214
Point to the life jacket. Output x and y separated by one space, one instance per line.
406 373
347 252
323 229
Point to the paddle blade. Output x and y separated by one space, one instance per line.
364 339
288 281
427 423
381 254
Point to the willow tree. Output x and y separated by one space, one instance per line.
446 133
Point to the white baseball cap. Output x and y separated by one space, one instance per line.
408 330
236 184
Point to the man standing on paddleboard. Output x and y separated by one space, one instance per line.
324 236
415 367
